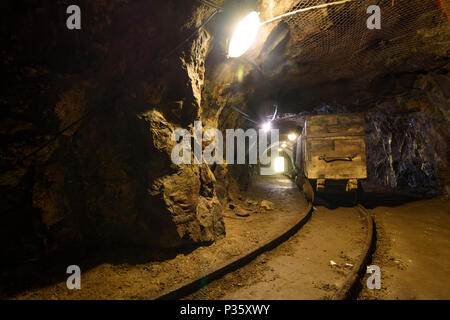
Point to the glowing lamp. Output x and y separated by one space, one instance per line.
247 29
244 35
292 137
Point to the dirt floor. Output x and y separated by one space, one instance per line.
413 251
300 268
147 279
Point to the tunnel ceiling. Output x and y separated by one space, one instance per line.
335 43
301 55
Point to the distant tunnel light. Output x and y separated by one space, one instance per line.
292 136
267 126
244 35
279 164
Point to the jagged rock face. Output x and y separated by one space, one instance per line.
87 118
407 137
185 198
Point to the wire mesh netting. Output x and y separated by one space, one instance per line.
336 41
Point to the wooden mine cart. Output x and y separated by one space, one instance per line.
331 149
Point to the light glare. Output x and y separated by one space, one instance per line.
267 126
244 35
292 136
279 164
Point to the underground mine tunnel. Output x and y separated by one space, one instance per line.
220 149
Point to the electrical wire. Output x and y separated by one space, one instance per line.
324 5
246 116
275 112
281 17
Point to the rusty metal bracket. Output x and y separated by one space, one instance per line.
332 159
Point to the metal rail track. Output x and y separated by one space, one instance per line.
350 287
191 286
347 291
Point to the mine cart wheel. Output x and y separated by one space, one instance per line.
357 194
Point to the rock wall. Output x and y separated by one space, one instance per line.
408 135
87 118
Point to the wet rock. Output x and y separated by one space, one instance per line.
241 212
251 202
265 204
186 198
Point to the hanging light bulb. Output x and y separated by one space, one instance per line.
292 136
244 35
247 29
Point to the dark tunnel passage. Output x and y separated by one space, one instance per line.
133 145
